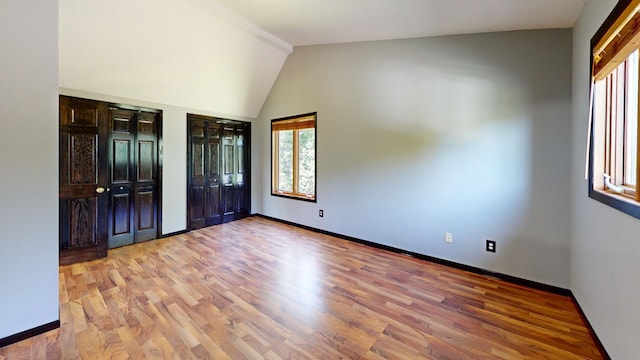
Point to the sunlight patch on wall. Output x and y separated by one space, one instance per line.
448 101
470 130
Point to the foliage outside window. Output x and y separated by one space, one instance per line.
293 154
614 130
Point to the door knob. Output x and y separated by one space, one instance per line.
100 190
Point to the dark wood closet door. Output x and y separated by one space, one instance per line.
212 209
204 173
236 175
196 197
133 187
146 187
217 171
110 177
229 193
83 179
121 156
242 172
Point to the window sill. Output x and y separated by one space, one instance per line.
616 201
294 197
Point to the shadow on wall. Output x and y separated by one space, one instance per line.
484 134
453 135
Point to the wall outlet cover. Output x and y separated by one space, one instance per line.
491 246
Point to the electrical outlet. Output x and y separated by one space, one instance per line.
491 246
321 213
448 237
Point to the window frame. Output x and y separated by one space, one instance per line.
295 194
605 62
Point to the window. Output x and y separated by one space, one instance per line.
613 155
293 156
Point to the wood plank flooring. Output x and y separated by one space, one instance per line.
257 289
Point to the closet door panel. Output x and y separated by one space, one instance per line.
197 206
196 174
214 213
229 165
121 205
121 165
147 197
242 174
145 212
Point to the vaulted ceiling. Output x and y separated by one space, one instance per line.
193 54
308 22
223 56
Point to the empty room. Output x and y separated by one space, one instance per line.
361 179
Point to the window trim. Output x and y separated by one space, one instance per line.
274 166
600 41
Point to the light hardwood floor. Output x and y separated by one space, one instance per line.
257 289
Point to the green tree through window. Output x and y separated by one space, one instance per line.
285 160
307 154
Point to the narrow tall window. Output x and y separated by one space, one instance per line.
293 154
614 148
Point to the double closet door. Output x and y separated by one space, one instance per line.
109 185
133 186
218 171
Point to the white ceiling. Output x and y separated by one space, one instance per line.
310 22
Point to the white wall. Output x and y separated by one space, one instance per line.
605 253
462 134
187 53
29 165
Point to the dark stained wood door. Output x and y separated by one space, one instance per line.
133 162
229 174
147 172
121 160
83 179
212 204
218 178
196 196
236 175
242 171
204 173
